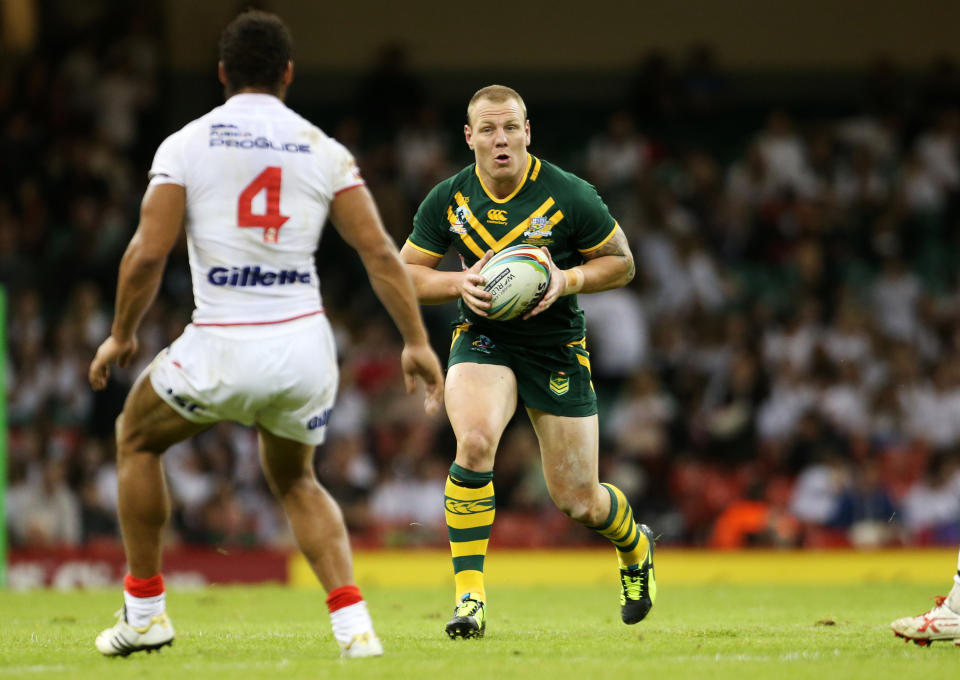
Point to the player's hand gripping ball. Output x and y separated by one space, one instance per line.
517 277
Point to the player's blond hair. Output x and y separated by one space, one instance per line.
496 94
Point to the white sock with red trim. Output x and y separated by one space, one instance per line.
349 616
144 598
953 599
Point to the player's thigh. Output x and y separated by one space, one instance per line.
148 423
285 461
568 448
556 379
197 376
303 384
480 399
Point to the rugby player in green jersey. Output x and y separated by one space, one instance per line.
509 197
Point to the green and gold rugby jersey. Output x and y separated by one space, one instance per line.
550 208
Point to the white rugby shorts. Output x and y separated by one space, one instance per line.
282 377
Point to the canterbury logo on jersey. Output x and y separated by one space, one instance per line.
254 276
469 507
497 215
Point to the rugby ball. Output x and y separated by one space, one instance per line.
518 278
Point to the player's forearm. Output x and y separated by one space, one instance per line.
137 286
394 288
603 273
435 287
608 266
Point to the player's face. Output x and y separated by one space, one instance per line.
499 136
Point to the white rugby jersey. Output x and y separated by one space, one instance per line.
259 181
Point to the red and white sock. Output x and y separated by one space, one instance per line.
348 614
144 598
953 598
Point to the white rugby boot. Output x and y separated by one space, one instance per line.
123 639
362 645
940 623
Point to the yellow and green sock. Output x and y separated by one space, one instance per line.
469 505
620 528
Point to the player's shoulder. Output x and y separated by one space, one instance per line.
453 184
464 177
575 195
312 131
213 123
228 121
554 175
191 129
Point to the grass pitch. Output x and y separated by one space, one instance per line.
695 631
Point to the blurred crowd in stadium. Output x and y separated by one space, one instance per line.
783 371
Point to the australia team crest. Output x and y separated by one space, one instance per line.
541 229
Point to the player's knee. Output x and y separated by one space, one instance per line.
295 487
132 436
475 449
578 505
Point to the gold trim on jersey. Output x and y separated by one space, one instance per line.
423 250
470 243
536 170
607 238
523 181
498 245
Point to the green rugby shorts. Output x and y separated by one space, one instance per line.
552 379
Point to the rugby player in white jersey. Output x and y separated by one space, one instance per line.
253 184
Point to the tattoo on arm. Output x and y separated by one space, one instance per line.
616 246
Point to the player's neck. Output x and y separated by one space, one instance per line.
502 188
260 90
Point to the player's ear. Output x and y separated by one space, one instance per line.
221 73
288 74
526 129
468 134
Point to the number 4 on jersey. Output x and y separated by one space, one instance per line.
271 220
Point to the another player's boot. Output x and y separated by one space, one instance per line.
352 627
469 619
940 623
123 639
638 587
362 645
